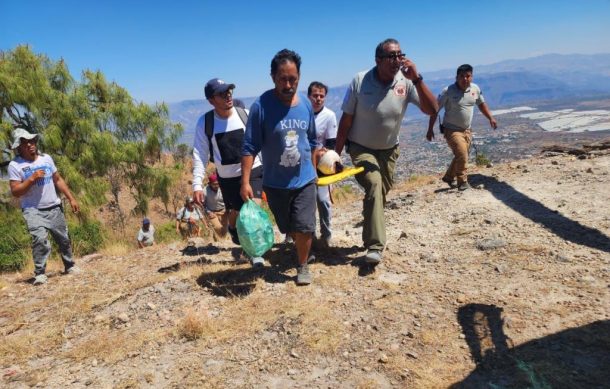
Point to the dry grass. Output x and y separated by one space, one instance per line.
114 345
37 327
344 194
318 327
414 182
33 342
117 248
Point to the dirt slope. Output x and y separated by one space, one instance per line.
498 286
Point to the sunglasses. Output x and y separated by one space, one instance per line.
394 56
225 94
26 141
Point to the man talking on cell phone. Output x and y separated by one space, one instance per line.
373 109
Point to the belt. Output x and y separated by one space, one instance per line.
50 208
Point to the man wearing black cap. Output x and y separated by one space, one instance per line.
219 136
34 179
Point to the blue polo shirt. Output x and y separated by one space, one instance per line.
286 137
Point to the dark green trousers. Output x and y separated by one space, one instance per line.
377 180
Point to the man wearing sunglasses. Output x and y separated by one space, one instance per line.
34 180
373 110
219 136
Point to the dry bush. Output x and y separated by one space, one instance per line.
194 325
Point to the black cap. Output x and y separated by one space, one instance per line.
216 86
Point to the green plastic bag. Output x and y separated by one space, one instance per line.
254 229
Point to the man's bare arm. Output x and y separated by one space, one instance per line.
345 124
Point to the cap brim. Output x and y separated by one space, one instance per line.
224 88
27 136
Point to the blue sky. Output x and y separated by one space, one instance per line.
166 51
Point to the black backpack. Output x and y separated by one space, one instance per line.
209 126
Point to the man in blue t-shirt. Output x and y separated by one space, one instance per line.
281 125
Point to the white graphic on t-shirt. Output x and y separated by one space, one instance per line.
291 156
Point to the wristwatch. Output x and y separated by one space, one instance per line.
418 79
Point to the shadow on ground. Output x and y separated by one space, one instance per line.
534 210
574 358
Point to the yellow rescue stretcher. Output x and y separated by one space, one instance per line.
348 172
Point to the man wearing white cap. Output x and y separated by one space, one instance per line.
34 180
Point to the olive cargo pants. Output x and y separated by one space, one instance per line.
377 180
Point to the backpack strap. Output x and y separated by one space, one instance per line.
209 131
242 115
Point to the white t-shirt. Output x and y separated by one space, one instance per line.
147 237
42 194
227 143
326 125
213 200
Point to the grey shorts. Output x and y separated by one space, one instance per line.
294 209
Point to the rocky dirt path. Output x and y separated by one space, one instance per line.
493 287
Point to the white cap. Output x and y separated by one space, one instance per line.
19 134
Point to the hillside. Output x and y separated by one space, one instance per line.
503 284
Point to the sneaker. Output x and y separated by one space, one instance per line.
234 236
40 279
373 257
449 181
257 262
464 186
74 270
311 258
303 275
326 242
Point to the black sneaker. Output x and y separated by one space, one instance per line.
449 181
234 236
303 275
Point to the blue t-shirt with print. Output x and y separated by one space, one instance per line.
286 137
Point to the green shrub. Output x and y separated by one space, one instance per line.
14 241
482 159
166 232
87 237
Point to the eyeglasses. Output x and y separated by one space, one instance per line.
394 55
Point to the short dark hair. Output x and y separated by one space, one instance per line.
463 69
379 49
284 56
316 84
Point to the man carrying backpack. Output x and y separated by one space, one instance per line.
188 219
219 136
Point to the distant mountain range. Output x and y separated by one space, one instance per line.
506 83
